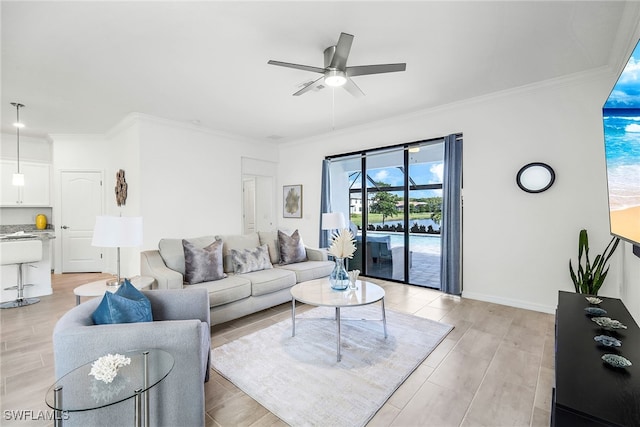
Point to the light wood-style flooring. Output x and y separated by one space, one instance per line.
496 368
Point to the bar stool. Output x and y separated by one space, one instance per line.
20 252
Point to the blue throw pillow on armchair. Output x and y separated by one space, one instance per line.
126 305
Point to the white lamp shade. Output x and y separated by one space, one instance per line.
117 231
333 221
18 179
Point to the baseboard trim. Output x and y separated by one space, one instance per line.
510 302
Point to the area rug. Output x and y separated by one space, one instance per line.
298 378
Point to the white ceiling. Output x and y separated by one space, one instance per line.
80 67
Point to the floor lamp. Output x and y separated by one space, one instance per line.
117 232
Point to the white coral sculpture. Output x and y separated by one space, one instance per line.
106 368
342 244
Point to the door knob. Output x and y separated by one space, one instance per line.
64 227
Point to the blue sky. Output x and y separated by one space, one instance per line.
626 92
422 173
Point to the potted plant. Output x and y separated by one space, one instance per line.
590 277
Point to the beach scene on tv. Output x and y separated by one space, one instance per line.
621 119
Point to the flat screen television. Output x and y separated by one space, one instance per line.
621 120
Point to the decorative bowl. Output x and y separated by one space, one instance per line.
593 300
595 311
616 361
608 341
608 323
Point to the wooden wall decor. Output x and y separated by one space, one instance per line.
121 188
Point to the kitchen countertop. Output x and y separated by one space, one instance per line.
40 235
26 231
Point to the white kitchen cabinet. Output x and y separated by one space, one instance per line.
37 184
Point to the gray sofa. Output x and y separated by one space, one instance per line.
236 295
180 326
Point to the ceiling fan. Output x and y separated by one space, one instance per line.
336 73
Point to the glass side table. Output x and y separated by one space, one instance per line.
78 391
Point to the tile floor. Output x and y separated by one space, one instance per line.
494 369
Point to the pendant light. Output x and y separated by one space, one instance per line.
18 178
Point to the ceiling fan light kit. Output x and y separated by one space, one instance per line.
335 78
335 72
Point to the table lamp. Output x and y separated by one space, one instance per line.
117 232
333 221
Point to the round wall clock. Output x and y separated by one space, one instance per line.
121 188
535 177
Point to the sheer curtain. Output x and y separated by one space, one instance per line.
451 259
325 203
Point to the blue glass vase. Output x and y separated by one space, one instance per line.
339 279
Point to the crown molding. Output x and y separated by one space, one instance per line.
556 82
142 117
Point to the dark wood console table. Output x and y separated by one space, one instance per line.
588 392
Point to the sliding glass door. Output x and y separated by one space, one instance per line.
425 213
393 199
385 220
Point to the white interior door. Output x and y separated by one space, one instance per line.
249 205
81 202
265 203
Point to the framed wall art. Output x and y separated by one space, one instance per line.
292 201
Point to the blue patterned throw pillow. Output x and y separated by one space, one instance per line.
126 305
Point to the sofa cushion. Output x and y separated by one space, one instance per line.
291 248
270 238
248 260
310 270
202 264
126 305
237 242
229 289
267 281
172 251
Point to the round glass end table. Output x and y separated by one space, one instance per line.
78 391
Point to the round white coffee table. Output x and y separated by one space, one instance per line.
319 293
99 287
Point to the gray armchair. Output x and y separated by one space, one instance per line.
180 327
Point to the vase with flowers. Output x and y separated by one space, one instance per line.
342 247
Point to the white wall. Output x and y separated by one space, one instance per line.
32 148
185 181
516 245
118 149
630 292
124 141
191 179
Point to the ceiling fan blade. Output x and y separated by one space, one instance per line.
353 88
339 60
310 86
361 70
297 66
